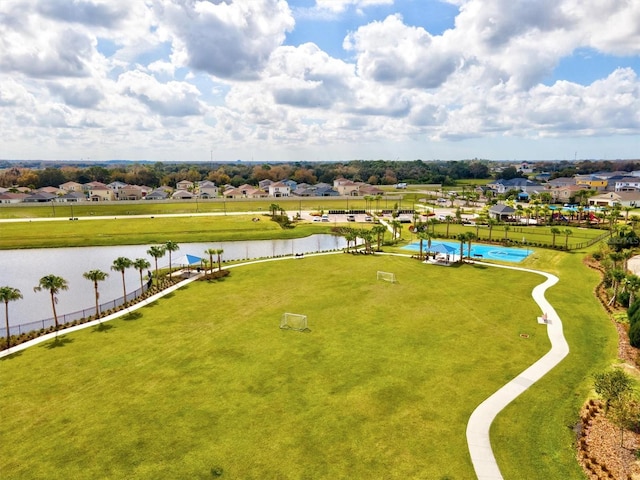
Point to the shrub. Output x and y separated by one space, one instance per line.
633 308
634 334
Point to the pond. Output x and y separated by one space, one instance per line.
22 269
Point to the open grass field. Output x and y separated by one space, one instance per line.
381 387
138 231
87 209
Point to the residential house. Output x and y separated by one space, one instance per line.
610 199
183 195
592 181
71 197
207 189
564 194
561 182
51 190
245 191
99 192
130 192
625 184
157 194
8 197
39 197
264 184
185 185
116 186
71 187
279 189
519 184
346 188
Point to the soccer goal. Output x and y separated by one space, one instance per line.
294 321
386 276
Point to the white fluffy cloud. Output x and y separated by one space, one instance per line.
170 75
231 40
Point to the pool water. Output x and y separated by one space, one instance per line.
488 252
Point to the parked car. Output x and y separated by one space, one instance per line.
351 218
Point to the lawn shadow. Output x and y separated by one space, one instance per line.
132 316
169 295
479 266
11 356
102 327
58 342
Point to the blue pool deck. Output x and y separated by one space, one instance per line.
479 251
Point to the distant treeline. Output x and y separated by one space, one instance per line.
374 172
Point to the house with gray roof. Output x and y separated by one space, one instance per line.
501 212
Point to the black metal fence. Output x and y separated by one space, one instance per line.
71 317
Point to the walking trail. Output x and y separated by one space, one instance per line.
482 457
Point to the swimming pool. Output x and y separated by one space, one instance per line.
489 252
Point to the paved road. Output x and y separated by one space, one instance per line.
478 440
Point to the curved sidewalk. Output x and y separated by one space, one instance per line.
479 424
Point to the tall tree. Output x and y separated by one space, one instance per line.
53 284
567 233
120 264
8 294
554 231
171 247
379 230
211 252
141 264
156 251
96 276
219 253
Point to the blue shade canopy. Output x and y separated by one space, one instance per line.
442 248
186 260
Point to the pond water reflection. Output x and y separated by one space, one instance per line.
23 269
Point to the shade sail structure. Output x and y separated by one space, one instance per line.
442 248
186 260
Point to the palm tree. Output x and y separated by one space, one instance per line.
219 252
171 247
422 236
618 276
567 232
380 230
448 219
463 239
470 238
396 225
506 232
156 252
211 252
273 208
491 222
53 284
632 283
120 264
96 276
350 236
141 264
8 294
554 231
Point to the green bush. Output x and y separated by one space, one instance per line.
633 308
634 334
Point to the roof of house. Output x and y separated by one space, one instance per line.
502 209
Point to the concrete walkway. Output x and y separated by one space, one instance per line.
482 457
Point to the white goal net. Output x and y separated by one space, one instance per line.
294 321
386 276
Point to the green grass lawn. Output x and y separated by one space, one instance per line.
137 231
382 386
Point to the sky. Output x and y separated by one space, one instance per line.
319 80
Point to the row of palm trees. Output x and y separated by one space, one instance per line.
55 284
